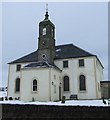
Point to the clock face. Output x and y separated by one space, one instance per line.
44 57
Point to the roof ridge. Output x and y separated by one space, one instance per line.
64 45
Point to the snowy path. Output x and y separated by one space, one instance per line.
67 103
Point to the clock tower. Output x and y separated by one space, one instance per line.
46 40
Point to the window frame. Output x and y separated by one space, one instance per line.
82 83
17 85
52 30
81 62
18 67
44 31
65 64
66 88
36 85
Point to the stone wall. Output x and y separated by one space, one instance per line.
41 111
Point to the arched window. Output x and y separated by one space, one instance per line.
34 85
44 31
82 83
17 85
66 83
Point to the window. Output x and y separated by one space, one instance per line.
34 86
18 67
81 62
52 32
44 31
54 88
17 85
66 83
82 83
65 64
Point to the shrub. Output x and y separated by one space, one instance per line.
1 99
16 98
10 98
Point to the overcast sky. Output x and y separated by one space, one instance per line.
83 24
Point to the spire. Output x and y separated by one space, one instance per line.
46 7
46 15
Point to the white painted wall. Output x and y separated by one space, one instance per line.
46 91
99 77
73 71
56 78
26 77
12 76
42 76
45 77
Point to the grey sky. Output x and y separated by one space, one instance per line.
83 24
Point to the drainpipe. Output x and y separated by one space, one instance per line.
95 78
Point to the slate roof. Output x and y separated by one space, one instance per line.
70 51
41 65
105 81
32 57
62 52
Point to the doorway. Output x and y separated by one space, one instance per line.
59 92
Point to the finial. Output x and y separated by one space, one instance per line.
46 7
46 15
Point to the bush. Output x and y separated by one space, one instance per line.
10 98
1 99
16 98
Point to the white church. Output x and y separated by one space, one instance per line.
53 71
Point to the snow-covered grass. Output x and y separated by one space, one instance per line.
3 93
67 103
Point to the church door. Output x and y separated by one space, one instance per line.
59 92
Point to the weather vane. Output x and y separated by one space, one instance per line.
46 7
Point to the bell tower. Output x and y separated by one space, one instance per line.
46 40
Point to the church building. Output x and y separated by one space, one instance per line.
53 71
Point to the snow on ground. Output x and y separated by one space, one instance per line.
3 93
67 103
